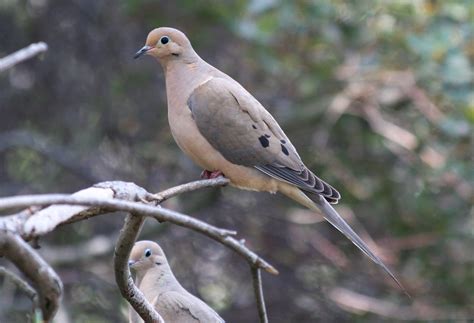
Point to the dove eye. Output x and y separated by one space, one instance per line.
164 40
147 253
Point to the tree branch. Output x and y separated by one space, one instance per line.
127 237
107 197
36 225
22 55
188 187
47 283
258 291
20 283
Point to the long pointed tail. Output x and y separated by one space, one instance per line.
318 203
331 215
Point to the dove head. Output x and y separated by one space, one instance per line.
146 255
167 44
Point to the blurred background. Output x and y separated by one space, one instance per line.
377 96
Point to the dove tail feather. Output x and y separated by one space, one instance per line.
303 179
331 215
319 204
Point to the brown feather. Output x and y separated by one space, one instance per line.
230 120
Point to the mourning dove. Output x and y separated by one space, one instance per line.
161 288
225 130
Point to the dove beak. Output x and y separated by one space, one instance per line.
131 263
142 51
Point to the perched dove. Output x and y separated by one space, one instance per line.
157 282
225 130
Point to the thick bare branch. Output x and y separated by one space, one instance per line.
46 220
22 55
35 224
127 237
44 278
39 225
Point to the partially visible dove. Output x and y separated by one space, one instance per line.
161 288
225 130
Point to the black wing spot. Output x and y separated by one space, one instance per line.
283 141
268 136
253 126
264 141
284 150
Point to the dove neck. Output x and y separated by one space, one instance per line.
186 57
181 79
158 280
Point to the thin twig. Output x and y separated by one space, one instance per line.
22 55
47 283
258 291
20 283
188 187
127 237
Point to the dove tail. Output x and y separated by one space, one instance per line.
319 204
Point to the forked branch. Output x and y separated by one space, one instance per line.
108 197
